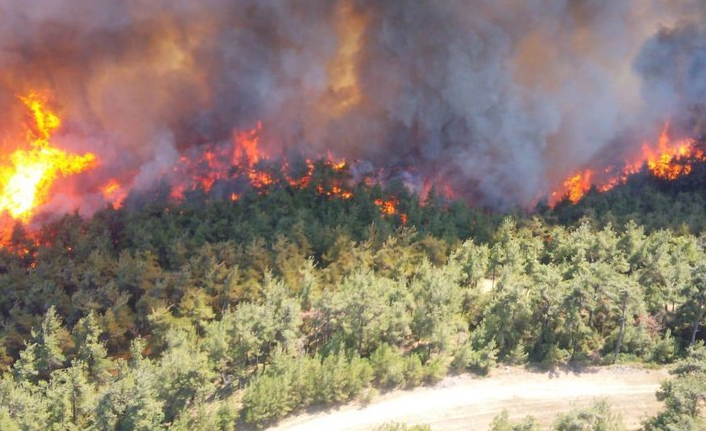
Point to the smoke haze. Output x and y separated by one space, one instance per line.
502 98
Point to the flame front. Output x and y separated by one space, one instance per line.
577 186
670 160
27 175
673 159
247 160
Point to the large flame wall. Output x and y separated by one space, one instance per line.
503 99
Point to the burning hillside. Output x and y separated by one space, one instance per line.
494 102
29 176
669 159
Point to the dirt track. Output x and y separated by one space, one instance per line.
467 403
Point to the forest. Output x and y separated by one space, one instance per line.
218 314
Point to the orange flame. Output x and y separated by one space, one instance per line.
27 175
114 193
243 161
670 160
388 207
246 144
577 186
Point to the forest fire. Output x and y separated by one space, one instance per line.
389 207
672 158
114 193
668 160
28 173
246 160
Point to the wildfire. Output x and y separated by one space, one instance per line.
246 160
114 193
389 206
27 174
577 186
246 146
670 160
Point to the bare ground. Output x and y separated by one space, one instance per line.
466 403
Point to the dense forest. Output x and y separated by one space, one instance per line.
217 314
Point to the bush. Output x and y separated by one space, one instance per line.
413 371
266 400
664 350
332 381
553 356
502 423
388 367
517 356
435 370
478 361
598 417
297 383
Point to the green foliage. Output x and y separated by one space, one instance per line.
266 400
162 315
684 395
364 311
219 417
479 361
47 344
90 349
292 384
665 349
502 422
184 376
598 417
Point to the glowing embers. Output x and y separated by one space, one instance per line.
389 207
670 160
245 163
28 173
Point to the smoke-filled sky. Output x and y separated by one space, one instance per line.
504 98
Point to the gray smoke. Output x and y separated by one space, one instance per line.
502 98
673 67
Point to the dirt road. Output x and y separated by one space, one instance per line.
467 403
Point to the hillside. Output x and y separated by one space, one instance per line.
213 313
644 198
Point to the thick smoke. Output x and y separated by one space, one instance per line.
503 98
673 67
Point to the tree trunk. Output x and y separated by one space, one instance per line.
360 338
492 283
574 341
697 321
621 333
541 339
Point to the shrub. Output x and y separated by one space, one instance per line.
388 367
598 417
478 361
665 349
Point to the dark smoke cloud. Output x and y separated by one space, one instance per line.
504 98
673 67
